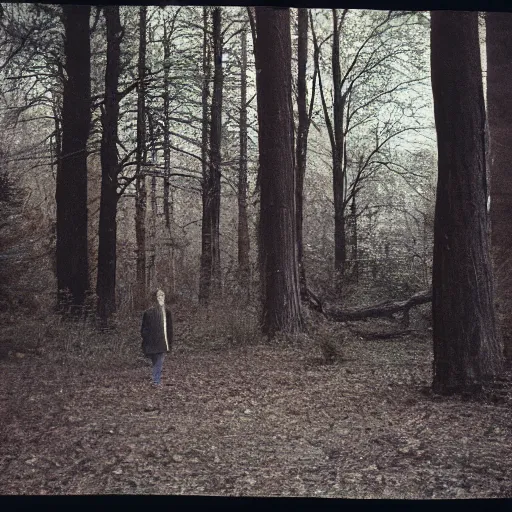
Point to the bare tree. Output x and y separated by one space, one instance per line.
243 228
302 139
205 269
210 257
110 168
168 199
356 105
140 181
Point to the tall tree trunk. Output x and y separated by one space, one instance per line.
206 252
499 106
281 302
168 199
243 228
259 251
336 138
152 237
340 255
302 142
466 347
106 282
71 191
140 181
167 141
151 274
215 148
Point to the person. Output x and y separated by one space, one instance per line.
157 335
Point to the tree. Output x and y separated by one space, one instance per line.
215 150
205 270
466 348
168 199
368 109
280 280
106 281
302 139
210 257
243 228
140 181
71 192
499 105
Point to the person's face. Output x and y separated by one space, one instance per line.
160 297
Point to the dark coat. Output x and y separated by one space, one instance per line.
152 331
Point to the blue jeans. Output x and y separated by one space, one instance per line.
158 362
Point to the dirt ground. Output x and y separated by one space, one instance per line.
256 420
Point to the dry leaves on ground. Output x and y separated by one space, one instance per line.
261 420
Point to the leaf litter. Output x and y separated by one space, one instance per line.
258 420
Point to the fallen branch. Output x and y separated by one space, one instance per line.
383 309
383 335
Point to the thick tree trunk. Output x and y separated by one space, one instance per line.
140 181
466 348
106 282
499 106
243 227
71 191
302 142
206 252
281 302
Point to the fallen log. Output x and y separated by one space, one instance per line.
382 309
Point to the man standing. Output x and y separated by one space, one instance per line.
156 334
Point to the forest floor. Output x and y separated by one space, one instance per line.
251 420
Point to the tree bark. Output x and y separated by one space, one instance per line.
215 149
335 128
140 181
257 192
499 107
168 198
243 227
210 257
71 192
337 158
152 274
167 142
206 252
354 270
106 282
302 142
466 347
281 302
